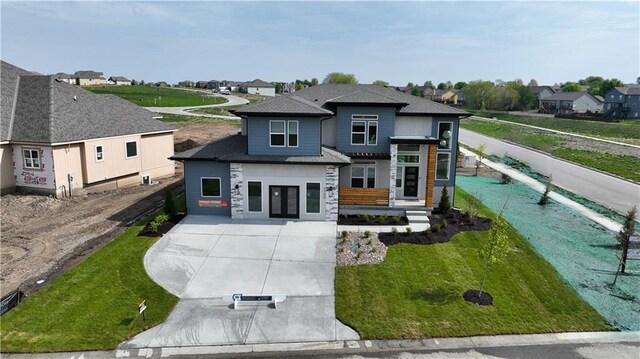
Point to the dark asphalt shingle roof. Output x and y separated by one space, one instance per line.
119 78
366 97
88 74
8 81
566 96
538 89
629 90
257 83
234 149
290 105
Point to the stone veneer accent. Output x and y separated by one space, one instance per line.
331 193
393 167
237 195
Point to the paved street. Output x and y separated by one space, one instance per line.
232 101
612 192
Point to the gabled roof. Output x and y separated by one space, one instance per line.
539 89
63 76
88 74
234 149
51 111
119 78
567 96
366 97
629 90
257 83
289 105
442 92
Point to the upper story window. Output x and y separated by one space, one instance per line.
99 153
364 130
444 135
408 148
31 158
132 149
278 130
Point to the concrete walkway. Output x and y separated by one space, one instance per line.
205 258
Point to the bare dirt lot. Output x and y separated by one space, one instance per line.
42 237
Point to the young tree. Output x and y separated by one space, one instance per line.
544 199
134 82
416 91
278 86
340 78
481 153
445 203
381 83
496 249
169 203
526 98
314 81
624 236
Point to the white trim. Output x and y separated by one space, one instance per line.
450 139
126 154
95 152
219 187
448 166
401 177
319 197
369 123
297 133
261 196
363 117
284 133
365 178
24 159
375 174
364 143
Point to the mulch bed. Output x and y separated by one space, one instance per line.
371 220
456 222
472 296
163 228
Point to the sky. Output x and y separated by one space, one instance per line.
397 42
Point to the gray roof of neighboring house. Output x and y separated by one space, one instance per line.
8 81
599 98
629 90
538 89
52 111
119 78
567 96
88 74
257 83
316 100
234 149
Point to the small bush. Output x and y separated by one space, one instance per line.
505 179
394 231
382 219
435 228
169 203
369 242
445 203
367 234
367 217
374 249
396 219
409 230
344 234
445 224
158 221
426 231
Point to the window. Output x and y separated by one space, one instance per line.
210 186
408 148
372 127
408 159
399 176
255 196
313 197
132 149
357 176
620 97
358 132
276 134
444 135
293 133
31 158
371 177
99 153
442 166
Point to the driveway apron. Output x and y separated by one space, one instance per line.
206 257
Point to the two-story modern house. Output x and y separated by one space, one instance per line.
307 154
562 103
622 103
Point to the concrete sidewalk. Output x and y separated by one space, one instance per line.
353 347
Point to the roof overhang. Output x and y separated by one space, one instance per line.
280 114
412 140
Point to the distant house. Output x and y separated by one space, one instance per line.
542 92
162 84
460 99
88 78
213 84
258 87
202 84
622 103
120 81
64 77
562 103
59 139
186 83
150 84
288 87
445 96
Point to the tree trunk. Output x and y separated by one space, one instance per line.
625 250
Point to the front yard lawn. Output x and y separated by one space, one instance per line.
94 306
158 96
417 292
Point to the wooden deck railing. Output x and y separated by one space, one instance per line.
364 196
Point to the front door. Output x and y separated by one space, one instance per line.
410 181
284 201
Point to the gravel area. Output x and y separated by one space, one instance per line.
357 249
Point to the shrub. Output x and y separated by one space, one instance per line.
426 231
445 224
369 242
158 221
396 219
544 199
435 228
445 203
344 234
394 231
367 217
169 203
367 234
409 230
374 249
505 179
382 219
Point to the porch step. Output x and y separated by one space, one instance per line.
417 216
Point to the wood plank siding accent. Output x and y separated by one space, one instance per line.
431 175
364 196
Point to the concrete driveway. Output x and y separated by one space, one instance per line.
206 257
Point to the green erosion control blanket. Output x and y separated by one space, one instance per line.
583 252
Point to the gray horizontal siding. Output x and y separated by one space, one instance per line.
193 172
308 137
386 126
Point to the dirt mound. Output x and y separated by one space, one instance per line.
184 146
472 296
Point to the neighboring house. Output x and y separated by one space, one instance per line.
445 96
202 84
622 103
88 78
60 139
326 149
563 103
150 84
460 98
68 78
288 87
162 84
258 87
542 92
120 81
186 83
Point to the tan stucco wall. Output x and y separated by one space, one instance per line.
114 163
155 150
88 82
7 179
67 159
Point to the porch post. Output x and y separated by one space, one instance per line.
331 193
431 175
393 166
237 194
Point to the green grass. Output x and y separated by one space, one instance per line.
626 131
417 292
620 165
220 111
172 118
94 306
158 96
